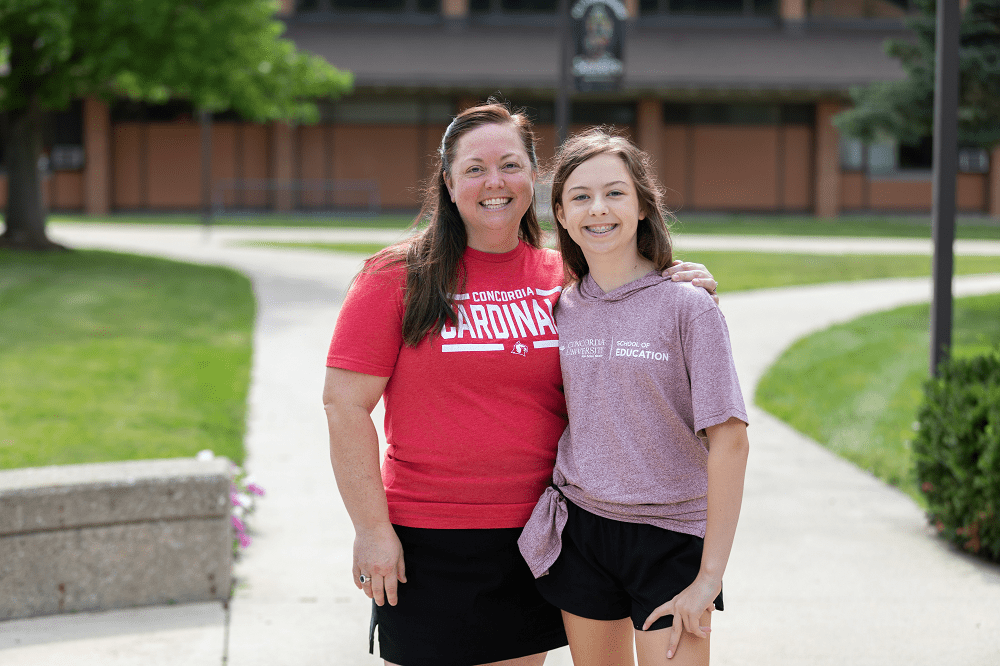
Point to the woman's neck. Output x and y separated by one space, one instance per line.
494 243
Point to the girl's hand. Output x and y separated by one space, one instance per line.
688 607
379 556
696 274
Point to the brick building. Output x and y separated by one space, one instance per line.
732 97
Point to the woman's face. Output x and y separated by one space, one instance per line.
492 183
600 208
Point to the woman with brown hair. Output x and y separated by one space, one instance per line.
454 329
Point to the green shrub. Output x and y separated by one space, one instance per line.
957 453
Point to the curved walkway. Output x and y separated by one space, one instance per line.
830 565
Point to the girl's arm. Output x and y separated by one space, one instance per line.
349 398
728 447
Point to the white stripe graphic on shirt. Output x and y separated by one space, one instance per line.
467 348
538 344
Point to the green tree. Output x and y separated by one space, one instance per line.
217 54
904 109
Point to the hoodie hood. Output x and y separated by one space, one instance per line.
590 291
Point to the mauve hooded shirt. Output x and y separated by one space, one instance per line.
646 368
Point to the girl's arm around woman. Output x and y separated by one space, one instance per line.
349 398
727 464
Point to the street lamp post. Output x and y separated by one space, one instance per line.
946 74
562 95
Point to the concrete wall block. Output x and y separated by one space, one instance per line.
98 568
88 505
67 496
96 537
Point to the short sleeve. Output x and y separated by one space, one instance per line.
716 395
369 330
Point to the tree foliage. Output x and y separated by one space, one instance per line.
904 109
216 54
219 54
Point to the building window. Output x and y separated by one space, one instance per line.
365 5
882 158
889 158
852 154
738 114
374 111
861 9
916 157
172 111
708 7
596 113
63 138
369 6
973 160
513 6
543 112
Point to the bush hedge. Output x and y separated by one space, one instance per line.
957 453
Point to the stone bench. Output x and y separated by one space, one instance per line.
114 535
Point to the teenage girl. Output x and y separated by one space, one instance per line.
632 538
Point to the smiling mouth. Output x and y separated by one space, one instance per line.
495 204
600 229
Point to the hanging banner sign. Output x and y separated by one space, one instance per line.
598 36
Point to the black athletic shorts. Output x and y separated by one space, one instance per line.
469 599
610 570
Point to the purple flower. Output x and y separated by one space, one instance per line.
238 524
255 489
245 540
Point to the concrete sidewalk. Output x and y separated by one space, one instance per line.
830 565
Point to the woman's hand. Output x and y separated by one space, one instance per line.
379 556
688 607
696 274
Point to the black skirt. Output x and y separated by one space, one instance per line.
469 599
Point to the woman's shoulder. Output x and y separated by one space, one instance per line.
383 270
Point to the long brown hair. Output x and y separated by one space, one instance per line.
433 257
652 235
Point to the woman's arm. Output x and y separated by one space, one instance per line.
728 448
349 398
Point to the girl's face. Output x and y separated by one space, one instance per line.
600 209
492 184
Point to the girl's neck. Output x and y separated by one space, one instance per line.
610 273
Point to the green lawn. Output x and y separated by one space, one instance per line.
915 226
867 226
386 221
856 387
115 357
108 356
366 249
739 271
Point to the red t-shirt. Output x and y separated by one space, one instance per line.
473 412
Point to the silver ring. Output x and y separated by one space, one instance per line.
364 579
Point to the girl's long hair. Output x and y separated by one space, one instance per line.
433 257
652 235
